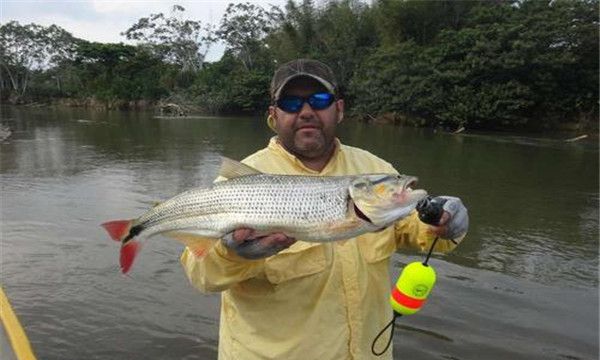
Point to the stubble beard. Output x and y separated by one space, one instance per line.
313 147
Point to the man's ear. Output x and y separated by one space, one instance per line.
271 118
273 112
339 105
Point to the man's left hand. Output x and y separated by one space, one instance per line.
245 243
454 222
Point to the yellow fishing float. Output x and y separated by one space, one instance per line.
412 288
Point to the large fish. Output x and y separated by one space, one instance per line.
309 208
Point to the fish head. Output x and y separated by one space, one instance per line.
385 198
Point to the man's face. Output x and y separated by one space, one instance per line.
310 133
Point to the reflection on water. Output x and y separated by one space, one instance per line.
523 285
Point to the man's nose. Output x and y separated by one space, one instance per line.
306 111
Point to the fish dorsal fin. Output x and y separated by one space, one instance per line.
231 169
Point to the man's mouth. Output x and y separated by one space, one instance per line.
308 127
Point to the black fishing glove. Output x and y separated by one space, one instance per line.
453 226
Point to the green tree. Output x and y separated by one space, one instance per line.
493 64
295 34
177 41
339 33
420 21
346 35
25 49
227 87
118 71
243 28
527 64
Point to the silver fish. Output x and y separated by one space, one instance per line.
309 208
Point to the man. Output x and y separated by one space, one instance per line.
310 300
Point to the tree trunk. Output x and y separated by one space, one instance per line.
13 81
25 82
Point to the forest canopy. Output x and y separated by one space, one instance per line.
500 64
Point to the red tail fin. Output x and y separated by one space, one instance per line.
117 229
128 253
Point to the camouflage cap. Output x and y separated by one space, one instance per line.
302 67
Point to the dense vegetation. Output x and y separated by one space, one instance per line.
479 64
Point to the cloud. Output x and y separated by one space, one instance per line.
129 7
105 20
94 31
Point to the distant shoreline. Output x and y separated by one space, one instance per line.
577 129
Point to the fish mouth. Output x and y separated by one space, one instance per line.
409 195
414 196
410 183
361 215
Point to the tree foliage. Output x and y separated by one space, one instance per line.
527 64
25 49
181 42
479 64
243 28
421 21
227 87
119 72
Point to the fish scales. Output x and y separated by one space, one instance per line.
305 203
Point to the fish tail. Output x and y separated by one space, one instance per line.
118 229
124 232
129 251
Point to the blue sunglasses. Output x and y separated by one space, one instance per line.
317 101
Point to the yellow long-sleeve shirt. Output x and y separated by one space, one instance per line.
312 300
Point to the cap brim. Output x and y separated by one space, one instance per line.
322 81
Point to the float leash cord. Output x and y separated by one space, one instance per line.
430 251
391 323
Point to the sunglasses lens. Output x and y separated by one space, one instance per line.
320 101
291 104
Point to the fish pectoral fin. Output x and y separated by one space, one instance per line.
198 245
231 169
344 226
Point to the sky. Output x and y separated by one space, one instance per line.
105 20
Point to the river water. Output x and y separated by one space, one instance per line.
523 285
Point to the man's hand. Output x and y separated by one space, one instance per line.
246 245
454 221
